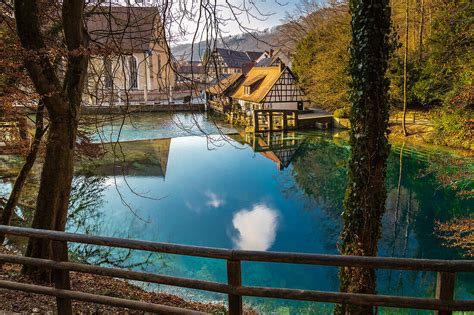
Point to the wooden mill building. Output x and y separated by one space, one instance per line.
220 94
271 87
267 98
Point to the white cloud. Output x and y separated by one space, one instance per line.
256 227
214 200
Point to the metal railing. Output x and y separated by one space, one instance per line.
443 303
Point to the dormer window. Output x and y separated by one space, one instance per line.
251 85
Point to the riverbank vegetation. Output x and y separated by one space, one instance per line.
440 63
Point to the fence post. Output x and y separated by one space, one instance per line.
234 279
445 289
61 277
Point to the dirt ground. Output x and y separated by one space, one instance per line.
12 302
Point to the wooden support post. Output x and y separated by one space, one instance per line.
271 116
61 277
285 121
234 279
255 121
445 289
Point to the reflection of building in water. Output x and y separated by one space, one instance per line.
280 147
162 150
136 158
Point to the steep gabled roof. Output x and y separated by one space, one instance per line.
191 69
268 75
254 55
226 85
130 29
269 61
233 58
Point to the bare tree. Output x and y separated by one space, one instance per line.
62 98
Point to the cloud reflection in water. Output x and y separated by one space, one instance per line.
256 227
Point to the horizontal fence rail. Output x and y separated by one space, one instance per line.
444 303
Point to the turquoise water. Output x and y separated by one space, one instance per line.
274 194
287 196
154 126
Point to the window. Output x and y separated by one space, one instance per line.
109 79
159 66
133 72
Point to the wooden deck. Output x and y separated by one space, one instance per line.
284 120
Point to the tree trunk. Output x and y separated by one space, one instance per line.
25 170
62 100
422 22
53 196
405 74
366 192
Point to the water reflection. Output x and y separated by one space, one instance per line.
279 147
256 228
214 200
234 197
145 126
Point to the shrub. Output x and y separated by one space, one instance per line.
342 112
452 121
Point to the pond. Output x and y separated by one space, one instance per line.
273 193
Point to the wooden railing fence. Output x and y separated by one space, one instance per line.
411 117
443 303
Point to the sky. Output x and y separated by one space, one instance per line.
263 14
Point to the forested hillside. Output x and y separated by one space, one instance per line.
258 41
439 61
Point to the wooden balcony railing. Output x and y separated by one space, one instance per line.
443 303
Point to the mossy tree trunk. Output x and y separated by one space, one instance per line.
366 192
62 99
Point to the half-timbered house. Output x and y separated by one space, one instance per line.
219 94
271 88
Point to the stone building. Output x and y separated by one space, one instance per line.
131 61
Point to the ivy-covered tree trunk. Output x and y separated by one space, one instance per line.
366 193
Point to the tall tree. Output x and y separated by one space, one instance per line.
422 28
405 73
62 98
366 193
